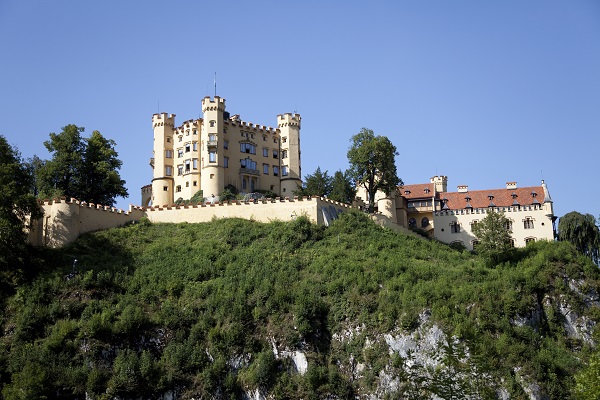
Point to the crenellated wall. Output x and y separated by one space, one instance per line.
318 210
64 220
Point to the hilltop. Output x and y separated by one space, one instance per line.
234 308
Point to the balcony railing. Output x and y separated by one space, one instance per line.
212 143
152 162
249 171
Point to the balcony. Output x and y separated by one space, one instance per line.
249 171
152 162
212 143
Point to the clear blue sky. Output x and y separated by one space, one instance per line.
482 91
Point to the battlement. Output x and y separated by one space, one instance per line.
163 119
218 104
255 127
73 201
288 119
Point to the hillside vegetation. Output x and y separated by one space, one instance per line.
294 310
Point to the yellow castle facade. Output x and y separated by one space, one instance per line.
220 151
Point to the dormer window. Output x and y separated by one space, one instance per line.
407 192
427 190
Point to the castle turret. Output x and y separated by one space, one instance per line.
289 133
162 162
440 183
212 177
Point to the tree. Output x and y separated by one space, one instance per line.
60 175
17 204
100 179
494 237
86 169
317 184
342 189
581 230
372 164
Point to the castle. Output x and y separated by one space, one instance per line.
221 151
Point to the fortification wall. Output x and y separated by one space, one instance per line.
317 210
64 220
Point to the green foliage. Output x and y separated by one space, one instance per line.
316 184
582 231
199 307
494 237
86 169
342 189
587 385
17 203
372 164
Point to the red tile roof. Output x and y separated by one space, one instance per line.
478 198
500 197
416 191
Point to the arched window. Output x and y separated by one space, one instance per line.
424 222
412 223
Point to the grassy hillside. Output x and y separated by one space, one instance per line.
198 309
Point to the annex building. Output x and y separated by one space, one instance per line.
450 216
222 151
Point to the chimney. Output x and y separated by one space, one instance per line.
463 188
511 185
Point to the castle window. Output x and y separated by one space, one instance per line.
195 146
284 139
264 138
274 140
187 132
226 162
226 144
508 225
266 169
252 135
180 153
212 176
212 156
424 222
275 170
528 223
165 188
195 163
265 152
455 227
187 184
195 183
529 240
169 153
284 170
212 124
244 184
247 148
212 137
195 132
187 165
178 188
248 163
168 140
275 154
180 170
180 138
187 148
284 153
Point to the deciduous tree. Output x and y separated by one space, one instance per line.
372 164
582 231
494 237
17 204
86 169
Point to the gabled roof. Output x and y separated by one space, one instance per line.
416 191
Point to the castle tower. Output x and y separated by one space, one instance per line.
162 162
289 134
441 183
212 176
